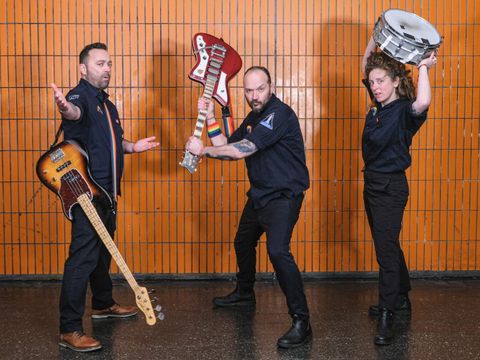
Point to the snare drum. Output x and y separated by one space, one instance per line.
405 37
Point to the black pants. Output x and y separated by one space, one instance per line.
88 261
277 219
385 197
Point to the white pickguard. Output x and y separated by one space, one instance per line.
200 70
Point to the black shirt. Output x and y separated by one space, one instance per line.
388 134
92 131
278 168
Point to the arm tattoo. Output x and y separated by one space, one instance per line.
245 146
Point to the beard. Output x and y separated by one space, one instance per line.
102 83
258 106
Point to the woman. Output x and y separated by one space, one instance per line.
390 125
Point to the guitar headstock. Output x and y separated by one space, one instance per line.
189 162
144 304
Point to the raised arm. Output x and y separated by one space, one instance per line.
371 46
424 92
213 129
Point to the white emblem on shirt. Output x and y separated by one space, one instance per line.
268 121
73 97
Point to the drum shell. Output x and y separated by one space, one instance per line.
399 47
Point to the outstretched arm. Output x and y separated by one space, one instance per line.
68 110
233 151
139 146
424 92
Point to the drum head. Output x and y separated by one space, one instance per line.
412 27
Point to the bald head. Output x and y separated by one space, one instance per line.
257 85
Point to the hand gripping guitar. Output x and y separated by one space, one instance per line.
217 63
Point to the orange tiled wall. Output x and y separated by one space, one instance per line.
171 222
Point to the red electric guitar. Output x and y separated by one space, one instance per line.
217 63
64 170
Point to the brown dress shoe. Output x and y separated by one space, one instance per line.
115 311
78 341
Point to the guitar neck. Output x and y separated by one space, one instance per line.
102 231
202 114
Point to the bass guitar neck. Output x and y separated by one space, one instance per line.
64 170
141 294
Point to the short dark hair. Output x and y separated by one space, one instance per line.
260 68
84 53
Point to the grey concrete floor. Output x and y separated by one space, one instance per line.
445 323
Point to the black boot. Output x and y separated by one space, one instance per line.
300 333
384 334
402 305
236 298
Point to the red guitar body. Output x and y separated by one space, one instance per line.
207 47
217 63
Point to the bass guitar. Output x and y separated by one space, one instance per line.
64 170
217 63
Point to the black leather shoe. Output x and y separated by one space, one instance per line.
384 334
403 306
236 298
300 333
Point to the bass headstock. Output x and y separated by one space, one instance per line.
145 305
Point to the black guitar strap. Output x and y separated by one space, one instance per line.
57 135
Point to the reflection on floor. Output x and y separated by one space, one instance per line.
445 323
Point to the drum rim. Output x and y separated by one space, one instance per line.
407 39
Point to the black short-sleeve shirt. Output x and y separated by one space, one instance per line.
388 134
92 131
278 168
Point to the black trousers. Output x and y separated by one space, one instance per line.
88 261
277 219
385 197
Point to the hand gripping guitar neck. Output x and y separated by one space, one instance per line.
217 63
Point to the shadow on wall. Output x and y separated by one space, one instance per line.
339 109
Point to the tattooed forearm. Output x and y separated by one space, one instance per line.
220 157
235 151
245 146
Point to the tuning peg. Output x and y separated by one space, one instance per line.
158 308
150 291
161 316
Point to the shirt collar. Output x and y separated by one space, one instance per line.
390 104
101 95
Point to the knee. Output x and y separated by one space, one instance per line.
278 255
